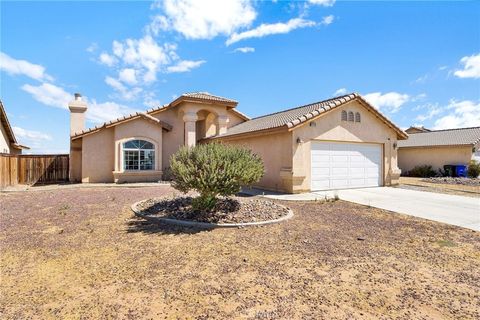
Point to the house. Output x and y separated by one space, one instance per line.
8 142
337 143
439 147
417 129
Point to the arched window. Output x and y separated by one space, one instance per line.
357 117
344 115
138 155
350 116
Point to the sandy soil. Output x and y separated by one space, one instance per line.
80 254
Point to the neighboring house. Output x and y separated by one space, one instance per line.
8 142
414 129
338 143
438 148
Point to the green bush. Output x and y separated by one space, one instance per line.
425 171
214 170
473 169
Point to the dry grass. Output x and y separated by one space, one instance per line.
79 254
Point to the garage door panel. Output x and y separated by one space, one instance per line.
345 165
325 172
339 184
320 184
320 157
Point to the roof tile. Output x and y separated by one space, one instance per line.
449 137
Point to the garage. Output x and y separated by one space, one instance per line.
339 165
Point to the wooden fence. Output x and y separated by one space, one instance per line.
33 169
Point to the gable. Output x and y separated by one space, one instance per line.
330 126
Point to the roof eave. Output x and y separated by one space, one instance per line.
229 104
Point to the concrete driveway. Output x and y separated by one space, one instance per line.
451 209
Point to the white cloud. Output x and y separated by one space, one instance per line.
204 19
266 29
391 101
244 49
49 94
471 67
31 135
128 75
92 47
185 66
340 92
125 93
106 111
325 3
464 113
54 96
145 56
328 20
22 67
429 111
32 139
107 59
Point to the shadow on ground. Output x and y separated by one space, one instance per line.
136 225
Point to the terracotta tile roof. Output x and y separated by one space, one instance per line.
120 120
293 117
8 129
449 137
196 96
207 96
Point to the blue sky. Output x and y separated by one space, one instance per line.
418 62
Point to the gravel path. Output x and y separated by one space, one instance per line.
80 254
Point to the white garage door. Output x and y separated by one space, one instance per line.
337 165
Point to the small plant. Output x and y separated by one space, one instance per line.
473 169
425 171
214 170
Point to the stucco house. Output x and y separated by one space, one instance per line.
8 142
439 147
342 142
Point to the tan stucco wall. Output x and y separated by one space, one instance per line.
4 143
276 153
437 157
75 161
330 127
98 157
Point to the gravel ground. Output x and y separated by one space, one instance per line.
439 189
227 210
80 254
450 180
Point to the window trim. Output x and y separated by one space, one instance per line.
358 118
138 150
351 116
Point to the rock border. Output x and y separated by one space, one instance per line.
207 225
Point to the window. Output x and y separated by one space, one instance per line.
350 116
357 117
344 115
138 155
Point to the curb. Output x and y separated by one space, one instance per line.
208 225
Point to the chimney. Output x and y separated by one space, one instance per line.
77 114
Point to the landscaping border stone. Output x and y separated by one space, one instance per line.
207 225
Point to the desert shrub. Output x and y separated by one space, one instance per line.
473 170
214 170
425 171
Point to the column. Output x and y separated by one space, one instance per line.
222 122
190 119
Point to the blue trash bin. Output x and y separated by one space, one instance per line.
461 170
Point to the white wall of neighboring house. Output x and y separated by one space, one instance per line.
4 143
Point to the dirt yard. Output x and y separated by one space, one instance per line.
80 254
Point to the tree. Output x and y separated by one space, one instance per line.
213 170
